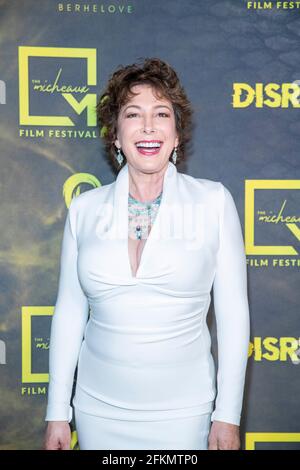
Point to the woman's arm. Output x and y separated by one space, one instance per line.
232 314
67 327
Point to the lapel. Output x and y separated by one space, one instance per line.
152 263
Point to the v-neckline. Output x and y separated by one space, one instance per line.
137 248
120 215
142 242
148 239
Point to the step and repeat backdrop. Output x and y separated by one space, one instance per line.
239 64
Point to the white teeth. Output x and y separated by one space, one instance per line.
148 144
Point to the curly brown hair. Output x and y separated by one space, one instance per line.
165 83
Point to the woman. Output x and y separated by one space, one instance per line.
142 254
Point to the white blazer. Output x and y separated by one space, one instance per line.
142 342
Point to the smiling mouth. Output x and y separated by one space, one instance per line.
149 148
149 145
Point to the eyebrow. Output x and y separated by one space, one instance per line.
136 106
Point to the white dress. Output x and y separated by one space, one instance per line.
143 348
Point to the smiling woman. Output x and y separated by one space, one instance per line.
170 102
131 255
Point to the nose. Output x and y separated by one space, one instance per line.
148 127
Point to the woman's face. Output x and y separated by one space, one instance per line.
142 120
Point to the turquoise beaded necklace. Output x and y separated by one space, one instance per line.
141 216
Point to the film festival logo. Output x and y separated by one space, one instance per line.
280 196
35 348
47 95
36 321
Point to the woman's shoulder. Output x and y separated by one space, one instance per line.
90 198
213 192
202 184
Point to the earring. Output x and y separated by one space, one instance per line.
174 156
119 157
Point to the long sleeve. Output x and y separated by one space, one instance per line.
232 314
67 327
